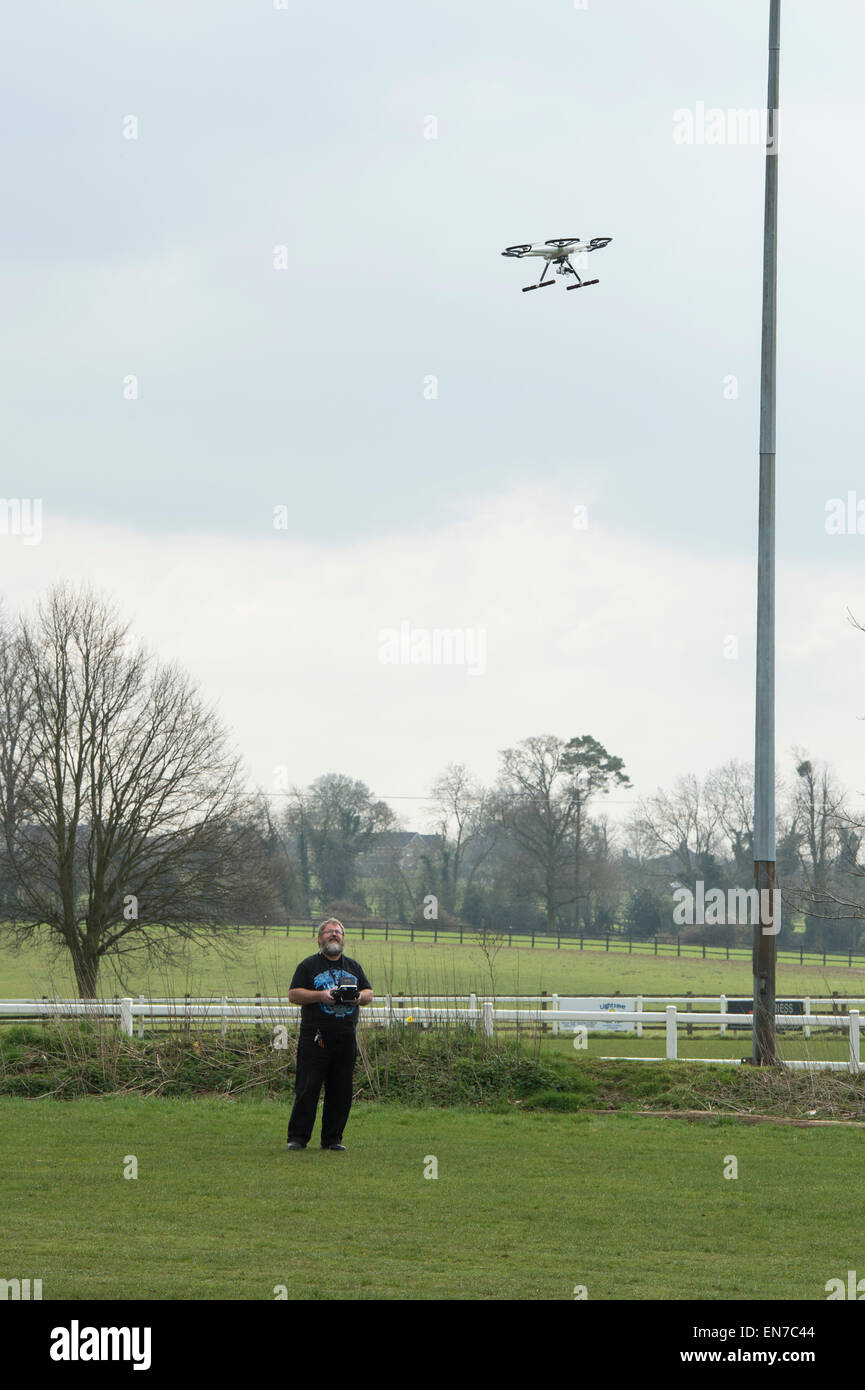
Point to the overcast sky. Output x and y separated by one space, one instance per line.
252 275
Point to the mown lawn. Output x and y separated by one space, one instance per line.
525 1206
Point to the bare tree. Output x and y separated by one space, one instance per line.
595 772
125 828
15 730
729 794
683 825
602 876
338 818
825 837
466 831
537 799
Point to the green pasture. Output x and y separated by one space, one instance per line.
525 1206
265 964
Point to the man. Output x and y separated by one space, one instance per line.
327 1048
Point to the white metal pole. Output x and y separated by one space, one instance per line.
765 928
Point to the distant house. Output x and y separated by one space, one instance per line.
395 849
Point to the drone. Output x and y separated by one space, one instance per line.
558 250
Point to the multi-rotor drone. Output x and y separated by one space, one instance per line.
558 251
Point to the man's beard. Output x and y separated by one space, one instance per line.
333 948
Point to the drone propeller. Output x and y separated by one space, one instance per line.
598 243
518 250
561 241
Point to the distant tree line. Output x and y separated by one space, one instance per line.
129 829
536 851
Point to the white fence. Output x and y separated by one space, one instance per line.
437 1010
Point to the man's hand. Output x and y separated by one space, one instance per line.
310 996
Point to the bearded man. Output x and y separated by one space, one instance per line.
331 989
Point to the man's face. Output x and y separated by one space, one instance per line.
331 939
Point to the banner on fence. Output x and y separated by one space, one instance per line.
746 1006
609 1005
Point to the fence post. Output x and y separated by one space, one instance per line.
854 1041
543 1007
656 945
412 934
222 1026
461 933
639 1010
489 1020
533 937
388 1003
141 1018
126 1016
629 943
808 1010
581 941
679 944
672 1037
473 1008
559 941
363 931
688 1009
386 925
556 1007
723 1011
435 935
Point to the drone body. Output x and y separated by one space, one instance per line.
559 250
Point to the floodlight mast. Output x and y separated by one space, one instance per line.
767 921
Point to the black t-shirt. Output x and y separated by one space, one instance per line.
319 972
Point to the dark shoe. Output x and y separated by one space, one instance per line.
334 1146
293 1144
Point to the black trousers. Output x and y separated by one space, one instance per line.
331 1066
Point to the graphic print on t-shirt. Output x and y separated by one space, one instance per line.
329 979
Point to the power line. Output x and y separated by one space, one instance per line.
405 796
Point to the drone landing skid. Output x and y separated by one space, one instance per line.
582 285
544 284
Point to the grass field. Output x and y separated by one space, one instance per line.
525 1206
265 965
